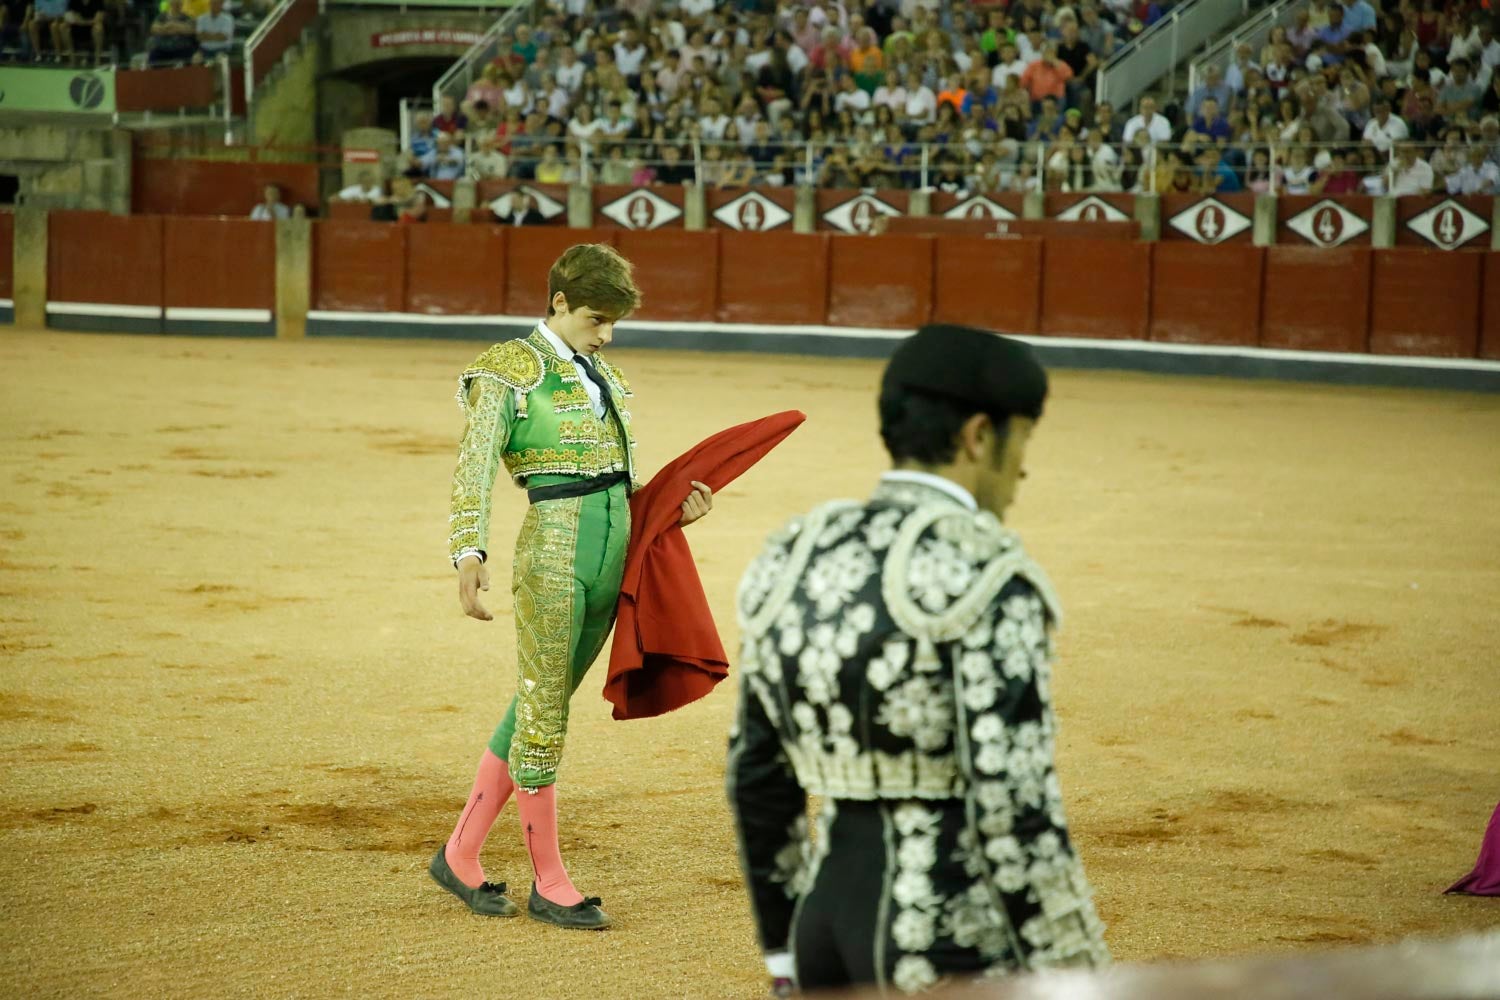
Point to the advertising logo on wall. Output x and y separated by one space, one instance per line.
1210 221
641 209
858 215
979 207
752 212
1092 209
459 37
38 88
549 207
1327 224
1448 225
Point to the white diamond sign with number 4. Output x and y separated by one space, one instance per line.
641 209
979 207
548 206
752 212
1448 225
1210 221
858 214
1327 224
1092 209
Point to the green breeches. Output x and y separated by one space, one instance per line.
570 558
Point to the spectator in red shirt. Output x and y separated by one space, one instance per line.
1338 178
1047 76
449 119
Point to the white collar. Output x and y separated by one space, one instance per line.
947 486
558 344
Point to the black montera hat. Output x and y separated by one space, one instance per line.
993 374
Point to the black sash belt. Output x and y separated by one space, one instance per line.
577 488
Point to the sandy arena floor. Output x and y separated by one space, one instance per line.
240 708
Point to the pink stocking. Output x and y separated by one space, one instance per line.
492 786
538 810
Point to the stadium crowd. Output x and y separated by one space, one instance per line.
153 32
972 98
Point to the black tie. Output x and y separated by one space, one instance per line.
605 396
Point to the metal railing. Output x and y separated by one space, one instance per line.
1271 168
1256 31
462 74
1157 50
276 34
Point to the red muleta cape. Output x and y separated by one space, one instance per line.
667 652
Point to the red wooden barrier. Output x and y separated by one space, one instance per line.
101 258
165 89
678 272
1096 288
1316 299
219 263
884 282
531 252
985 282
792 291
7 251
454 269
1425 302
359 266
1206 295
1489 335
217 187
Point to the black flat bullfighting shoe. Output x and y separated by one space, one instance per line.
488 900
580 916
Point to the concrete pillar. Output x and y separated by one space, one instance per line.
805 212
465 192
1034 206
919 203
580 206
29 272
1383 223
1495 224
293 274
1264 232
694 207
1148 214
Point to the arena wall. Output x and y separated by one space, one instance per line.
1092 301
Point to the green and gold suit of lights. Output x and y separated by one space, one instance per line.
528 408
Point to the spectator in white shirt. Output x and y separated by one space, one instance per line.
366 188
669 78
584 126
850 96
695 8
569 71
271 208
1409 174
921 102
215 30
554 98
630 53
1010 65
1154 124
746 118
891 94
1385 129
1478 176
713 122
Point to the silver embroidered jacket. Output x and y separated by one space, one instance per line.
901 650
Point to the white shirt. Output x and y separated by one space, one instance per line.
569 76
566 352
1416 180
356 193
921 105
1004 71
715 127
947 486
891 97
1469 180
1159 129
695 8
1382 136
629 60
856 99
796 59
